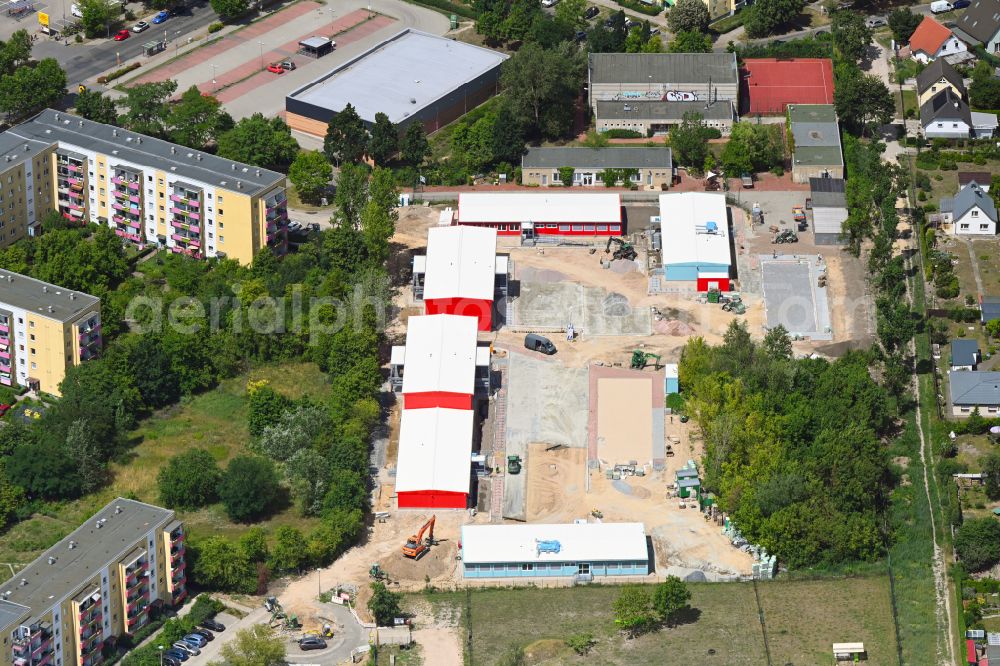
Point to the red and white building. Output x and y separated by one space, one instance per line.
461 273
697 244
438 365
532 214
435 452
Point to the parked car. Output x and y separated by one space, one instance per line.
960 4
214 625
747 180
591 12
179 655
549 3
876 21
204 633
4 409
941 6
122 35
187 647
170 661
312 643
75 10
161 17
140 26
200 641
539 343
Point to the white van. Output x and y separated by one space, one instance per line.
74 9
941 6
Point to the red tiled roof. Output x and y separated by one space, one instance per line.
929 36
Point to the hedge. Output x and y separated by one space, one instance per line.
623 134
724 25
119 72
447 7
641 7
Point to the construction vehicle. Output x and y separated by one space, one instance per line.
514 464
734 305
278 616
416 545
376 573
640 360
785 236
623 249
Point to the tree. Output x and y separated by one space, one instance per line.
991 472
266 406
95 106
309 475
15 52
851 35
384 141
384 604
570 13
978 543
767 17
45 470
249 488
189 480
521 15
289 550
263 142
777 344
197 120
30 89
148 112
863 101
346 137
688 16
258 645
751 148
984 93
253 545
218 564
634 41
351 194
310 173
414 146
84 450
653 45
903 23
98 16
542 87
670 598
229 9
689 140
691 42
507 143
377 227
633 609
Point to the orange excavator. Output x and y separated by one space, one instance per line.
416 545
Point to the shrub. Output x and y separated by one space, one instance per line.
119 72
215 27
778 171
623 134
641 7
580 643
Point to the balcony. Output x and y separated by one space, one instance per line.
135 238
177 552
75 195
176 537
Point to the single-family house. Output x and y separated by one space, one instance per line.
989 308
946 116
964 354
980 24
935 77
980 178
971 212
974 390
931 41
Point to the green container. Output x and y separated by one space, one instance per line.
454 21
713 296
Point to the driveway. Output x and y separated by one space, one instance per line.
347 635
233 624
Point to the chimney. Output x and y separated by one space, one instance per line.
233 166
52 560
99 524
138 139
50 308
72 296
198 157
239 184
81 123
57 116
118 509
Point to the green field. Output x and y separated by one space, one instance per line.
214 420
802 618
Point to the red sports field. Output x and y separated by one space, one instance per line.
768 85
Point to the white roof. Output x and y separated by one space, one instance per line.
419 263
542 207
685 219
585 542
397 355
435 450
482 355
828 220
670 370
503 264
461 262
440 354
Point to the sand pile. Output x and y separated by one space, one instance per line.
672 327
622 266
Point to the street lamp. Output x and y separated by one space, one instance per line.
213 78
261 44
160 648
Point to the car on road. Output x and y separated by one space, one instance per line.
312 643
214 625
161 17
122 35
140 26
591 12
876 21
180 655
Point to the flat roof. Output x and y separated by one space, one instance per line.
583 542
819 156
643 109
460 263
663 68
315 42
94 549
685 221
769 85
611 157
52 126
435 450
35 296
814 113
400 76
440 354
496 207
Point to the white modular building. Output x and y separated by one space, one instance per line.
696 239
434 466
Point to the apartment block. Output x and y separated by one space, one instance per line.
44 329
149 191
26 182
93 587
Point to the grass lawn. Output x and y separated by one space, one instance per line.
909 101
215 420
295 202
803 618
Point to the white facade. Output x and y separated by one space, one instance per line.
577 542
975 222
495 208
440 354
460 263
947 129
951 46
435 450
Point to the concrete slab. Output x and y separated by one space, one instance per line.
792 297
592 310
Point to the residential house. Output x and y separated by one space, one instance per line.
980 25
650 167
989 308
964 354
971 390
980 178
936 77
931 41
946 116
971 212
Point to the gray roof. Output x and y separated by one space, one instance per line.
47 584
945 105
937 70
989 306
658 110
35 296
993 655
315 42
812 113
827 192
672 68
400 76
15 149
68 130
809 135
692 482
981 20
970 197
612 157
974 387
946 204
964 352
816 134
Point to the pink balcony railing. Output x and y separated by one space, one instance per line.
73 206
179 238
134 198
194 216
118 206
118 180
72 167
74 194
4 328
74 181
5 355
133 185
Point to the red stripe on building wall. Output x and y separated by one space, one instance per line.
432 499
431 399
574 228
705 283
481 309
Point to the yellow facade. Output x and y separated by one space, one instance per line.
52 346
15 194
935 88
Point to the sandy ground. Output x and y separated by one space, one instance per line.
624 420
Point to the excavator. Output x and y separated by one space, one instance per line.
623 249
416 545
